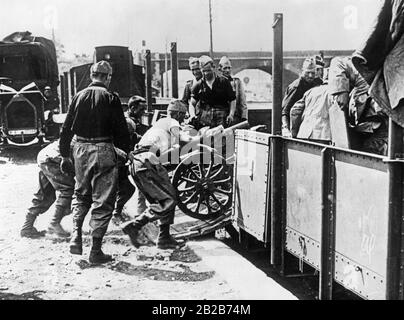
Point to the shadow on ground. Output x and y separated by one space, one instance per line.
305 286
20 155
186 274
33 295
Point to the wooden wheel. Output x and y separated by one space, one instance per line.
204 190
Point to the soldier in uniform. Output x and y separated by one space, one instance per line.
51 182
186 97
133 112
215 95
137 107
152 179
368 123
241 113
296 90
96 117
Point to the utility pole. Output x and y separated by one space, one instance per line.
210 27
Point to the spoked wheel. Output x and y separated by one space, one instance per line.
204 190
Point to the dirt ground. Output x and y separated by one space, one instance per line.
44 268
205 269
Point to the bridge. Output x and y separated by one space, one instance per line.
261 60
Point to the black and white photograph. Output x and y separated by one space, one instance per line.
201 155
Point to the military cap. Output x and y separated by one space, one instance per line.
225 61
204 60
193 62
319 61
177 105
135 99
101 67
309 64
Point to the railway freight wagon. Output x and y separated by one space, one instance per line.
28 92
338 210
334 208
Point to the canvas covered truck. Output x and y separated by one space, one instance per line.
29 99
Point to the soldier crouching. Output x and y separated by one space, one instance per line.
51 181
152 179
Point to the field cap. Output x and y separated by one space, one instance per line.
204 60
177 105
309 65
193 62
101 67
225 62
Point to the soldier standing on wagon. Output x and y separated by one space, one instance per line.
215 96
95 116
368 123
186 97
296 90
241 113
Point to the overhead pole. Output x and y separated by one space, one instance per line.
211 29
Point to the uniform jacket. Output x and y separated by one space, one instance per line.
309 118
381 59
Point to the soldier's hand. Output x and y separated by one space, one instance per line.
286 133
342 100
230 119
67 167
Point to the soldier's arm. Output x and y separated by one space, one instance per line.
339 82
195 93
67 134
121 134
296 116
287 105
242 101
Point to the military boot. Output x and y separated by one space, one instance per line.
133 227
55 226
76 243
28 230
165 239
96 254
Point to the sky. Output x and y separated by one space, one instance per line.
238 25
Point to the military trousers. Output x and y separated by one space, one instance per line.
53 186
153 182
96 184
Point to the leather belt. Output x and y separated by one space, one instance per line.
94 140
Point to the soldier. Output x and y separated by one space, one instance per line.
320 64
51 181
95 116
309 117
133 112
241 113
152 179
186 98
296 90
137 107
215 96
368 123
